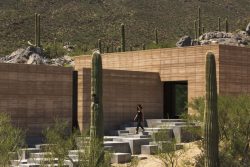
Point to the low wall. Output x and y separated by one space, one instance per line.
35 94
122 91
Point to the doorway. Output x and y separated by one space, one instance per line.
175 99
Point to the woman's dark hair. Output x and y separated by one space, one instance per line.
139 106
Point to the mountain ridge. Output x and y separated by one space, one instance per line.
82 22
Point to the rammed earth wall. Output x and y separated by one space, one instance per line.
34 95
171 64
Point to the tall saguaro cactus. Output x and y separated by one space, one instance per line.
96 125
37 30
211 129
123 38
96 128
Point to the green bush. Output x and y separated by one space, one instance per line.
61 140
234 127
11 139
54 50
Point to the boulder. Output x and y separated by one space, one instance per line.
35 55
34 59
184 41
248 29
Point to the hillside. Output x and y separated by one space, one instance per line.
82 22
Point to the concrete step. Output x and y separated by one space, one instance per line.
110 138
118 146
42 160
185 133
131 129
158 122
40 155
25 153
118 132
130 124
43 147
120 158
163 135
137 136
18 162
149 149
135 143
29 165
173 120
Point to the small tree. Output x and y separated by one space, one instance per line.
11 139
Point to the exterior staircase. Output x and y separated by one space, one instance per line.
123 142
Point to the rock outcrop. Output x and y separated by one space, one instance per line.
240 38
184 41
248 29
35 55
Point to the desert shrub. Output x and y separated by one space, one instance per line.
168 154
54 50
166 148
11 139
134 162
61 140
234 127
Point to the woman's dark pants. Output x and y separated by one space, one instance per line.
139 124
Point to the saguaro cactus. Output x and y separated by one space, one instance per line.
195 29
107 49
226 25
123 38
100 45
219 29
37 30
211 129
199 21
156 36
143 46
112 47
96 127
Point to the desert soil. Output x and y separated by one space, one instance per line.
185 159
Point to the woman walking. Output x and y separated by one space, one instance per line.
139 118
